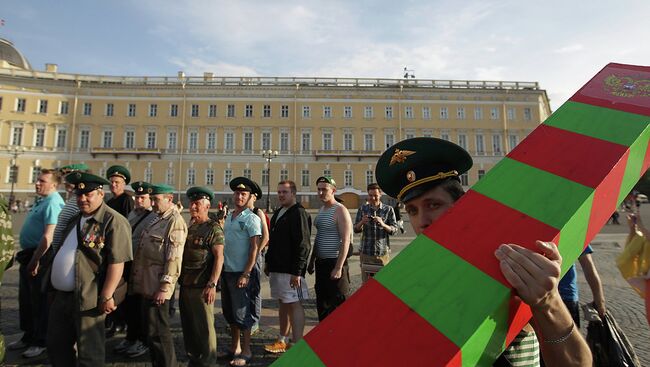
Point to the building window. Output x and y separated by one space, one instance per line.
348 141
42 106
480 145
444 113
388 112
191 177
1 99
171 140
409 134
231 110
284 111
21 104
306 142
528 114
284 141
347 112
347 178
389 140
464 179
209 177
12 174
496 144
61 137
17 135
511 114
169 179
107 139
151 139
494 113
39 137
229 141
129 139
110 109
408 112
248 110
64 108
195 110
211 141
102 172
131 110
193 141
153 110
444 136
227 176
427 133
327 112
248 141
306 112
305 178
513 140
462 141
265 177
173 110
266 140
248 173
36 171
478 113
212 110
370 177
426 113
460 113
367 112
369 141
148 174
327 140
266 110
284 174
84 139
481 173
88 109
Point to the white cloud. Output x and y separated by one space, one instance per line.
569 49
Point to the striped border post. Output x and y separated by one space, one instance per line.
443 301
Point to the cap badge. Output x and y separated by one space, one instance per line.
140 189
241 186
81 185
400 156
410 176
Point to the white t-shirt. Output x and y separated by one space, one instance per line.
63 269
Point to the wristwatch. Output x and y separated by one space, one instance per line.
211 285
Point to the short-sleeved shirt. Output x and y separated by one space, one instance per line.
44 212
197 256
238 233
568 285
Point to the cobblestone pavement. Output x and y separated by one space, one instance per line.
627 307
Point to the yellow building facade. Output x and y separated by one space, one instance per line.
205 130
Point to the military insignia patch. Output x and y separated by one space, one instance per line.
410 176
627 86
400 156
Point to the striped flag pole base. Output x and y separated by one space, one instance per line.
443 301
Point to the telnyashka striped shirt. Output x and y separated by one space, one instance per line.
70 209
523 351
328 240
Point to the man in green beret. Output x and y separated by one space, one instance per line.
201 269
135 343
424 173
85 274
243 230
155 270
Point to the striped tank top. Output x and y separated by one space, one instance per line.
328 240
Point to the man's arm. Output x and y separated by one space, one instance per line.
300 241
359 221
593 279
43 246
106 302
265 230
344 225
210 293
252 258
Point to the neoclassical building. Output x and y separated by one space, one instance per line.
205 130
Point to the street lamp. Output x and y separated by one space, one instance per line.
13 173
269 155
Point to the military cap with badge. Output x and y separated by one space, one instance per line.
85 182
141 188
245 184
413 166
199 192
119 171
161 189
64 170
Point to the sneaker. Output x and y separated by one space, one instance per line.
137 349
34 351
18 344
277 347
123 346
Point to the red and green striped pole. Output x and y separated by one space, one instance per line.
443 301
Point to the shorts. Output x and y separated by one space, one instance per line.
282 290
236 302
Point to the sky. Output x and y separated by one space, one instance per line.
560 44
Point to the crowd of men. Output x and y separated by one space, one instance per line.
92 267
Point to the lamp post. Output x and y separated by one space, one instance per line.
13 173
269 155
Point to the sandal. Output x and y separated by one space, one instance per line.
240 360
226 356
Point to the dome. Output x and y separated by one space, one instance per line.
12 56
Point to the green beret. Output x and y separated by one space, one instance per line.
197 193
119 171
161 189
73 167
85 182
412 166
243 184
326 179
141 188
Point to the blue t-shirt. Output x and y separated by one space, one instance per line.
237 234
568 285
45 211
